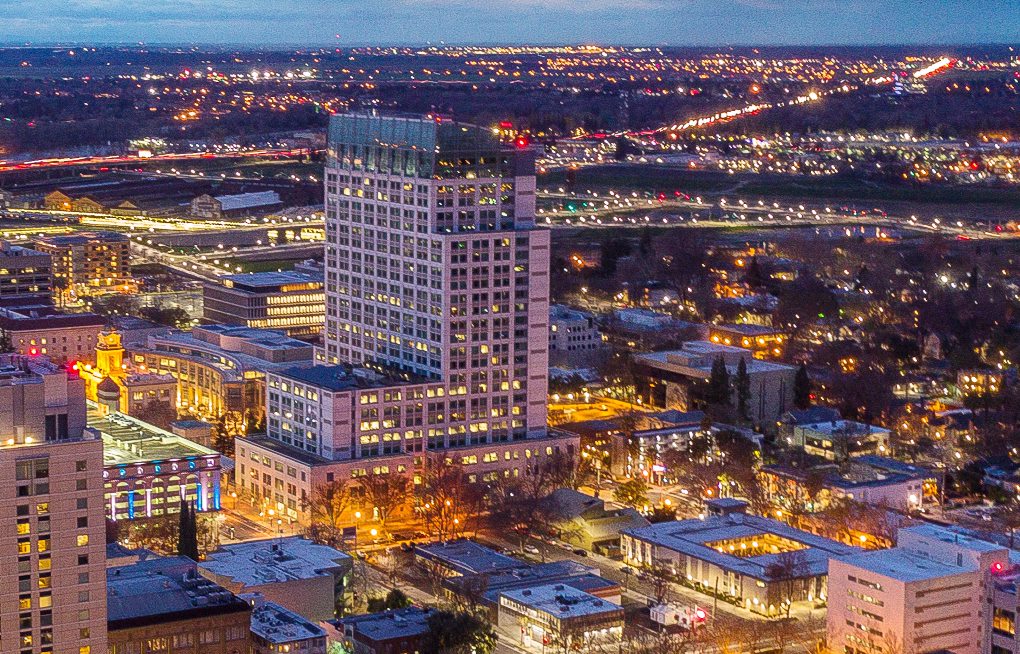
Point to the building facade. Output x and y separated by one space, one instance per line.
26 275
437 279
86 262
291 302
53 557
44 331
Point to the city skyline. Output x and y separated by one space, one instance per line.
654 22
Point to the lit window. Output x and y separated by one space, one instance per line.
83 540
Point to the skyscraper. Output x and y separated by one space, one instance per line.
437 314
434 266
52 543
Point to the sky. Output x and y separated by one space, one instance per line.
633 22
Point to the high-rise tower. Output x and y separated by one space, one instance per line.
434 267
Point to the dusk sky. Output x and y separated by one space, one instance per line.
671 22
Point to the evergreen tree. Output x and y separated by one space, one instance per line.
802 388
742 382
719 383
187 537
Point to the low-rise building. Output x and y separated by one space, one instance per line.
276 630
677 379
390 632
291 302
233 206
937 590
764 342
573 335
755 562
114 386
814 488
304 577
164 605
148 471
43 330
584 520
839 440
560 617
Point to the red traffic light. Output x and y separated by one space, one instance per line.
521 142
996 567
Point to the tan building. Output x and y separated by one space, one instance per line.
44 331
88 260
164 605
220 369
52 555
25 275
115 386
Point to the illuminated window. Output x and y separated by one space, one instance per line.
83 540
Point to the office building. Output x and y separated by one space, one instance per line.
676 379
85 262
276 630
758 563
814 488
291 302
26 276
304 577
164 605
42 330
937 590
437 278
220 369
53 551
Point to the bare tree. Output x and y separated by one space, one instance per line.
326 506
387 494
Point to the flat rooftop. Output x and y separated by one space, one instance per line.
700 539
904 565
387 625
340 378
468 557
267 281
162 589
562 601
280 626
127 440
830 427
696 358
260 562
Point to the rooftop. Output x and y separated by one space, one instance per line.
255 563
159 590
561 600
903 565
82 238
248 200
746 330
843 427
279 626
696 357
467 557
702 539
339 378
127 440
401 623
262 282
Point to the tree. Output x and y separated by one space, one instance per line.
327 505
633 492
395 599
718 391
443 500
802 388
787 568
458 633
386 494
158 413
187 534
742 382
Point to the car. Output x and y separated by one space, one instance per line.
580 552
531 549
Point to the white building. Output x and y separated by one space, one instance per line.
933 592
436 275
